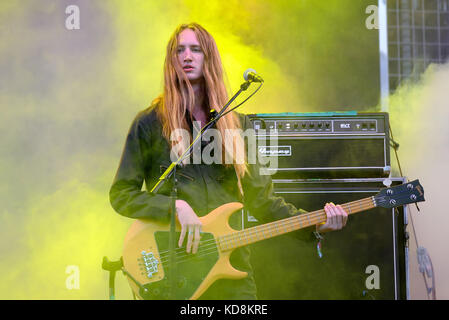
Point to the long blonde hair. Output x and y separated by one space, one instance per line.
178 94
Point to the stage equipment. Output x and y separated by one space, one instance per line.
325 144
367 259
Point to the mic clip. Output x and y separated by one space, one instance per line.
213 114
245 85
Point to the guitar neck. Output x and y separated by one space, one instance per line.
269 230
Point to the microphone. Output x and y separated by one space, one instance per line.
251 75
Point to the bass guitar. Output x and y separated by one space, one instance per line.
146 256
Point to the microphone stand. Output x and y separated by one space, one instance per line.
171 172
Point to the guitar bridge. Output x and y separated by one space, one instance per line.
150 263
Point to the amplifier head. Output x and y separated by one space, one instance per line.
324 145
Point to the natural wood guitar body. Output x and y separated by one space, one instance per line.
140 237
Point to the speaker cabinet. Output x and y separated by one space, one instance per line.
365 260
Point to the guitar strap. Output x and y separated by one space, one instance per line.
241 196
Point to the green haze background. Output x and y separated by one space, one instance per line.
67 98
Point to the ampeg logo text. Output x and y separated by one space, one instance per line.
270 151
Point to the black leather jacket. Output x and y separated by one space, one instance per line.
145 157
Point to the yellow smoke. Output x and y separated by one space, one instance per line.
69 96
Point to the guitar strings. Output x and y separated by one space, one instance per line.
189 257
212 246
269 226
249 232
205 246
293 221
210 249
207 250
303 217
232 237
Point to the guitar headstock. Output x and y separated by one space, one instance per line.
409 192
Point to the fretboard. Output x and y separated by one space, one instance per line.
269 230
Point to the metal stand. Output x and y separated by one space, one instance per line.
112 267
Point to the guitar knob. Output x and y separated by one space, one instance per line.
410 186
389 192
413 197
392 201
